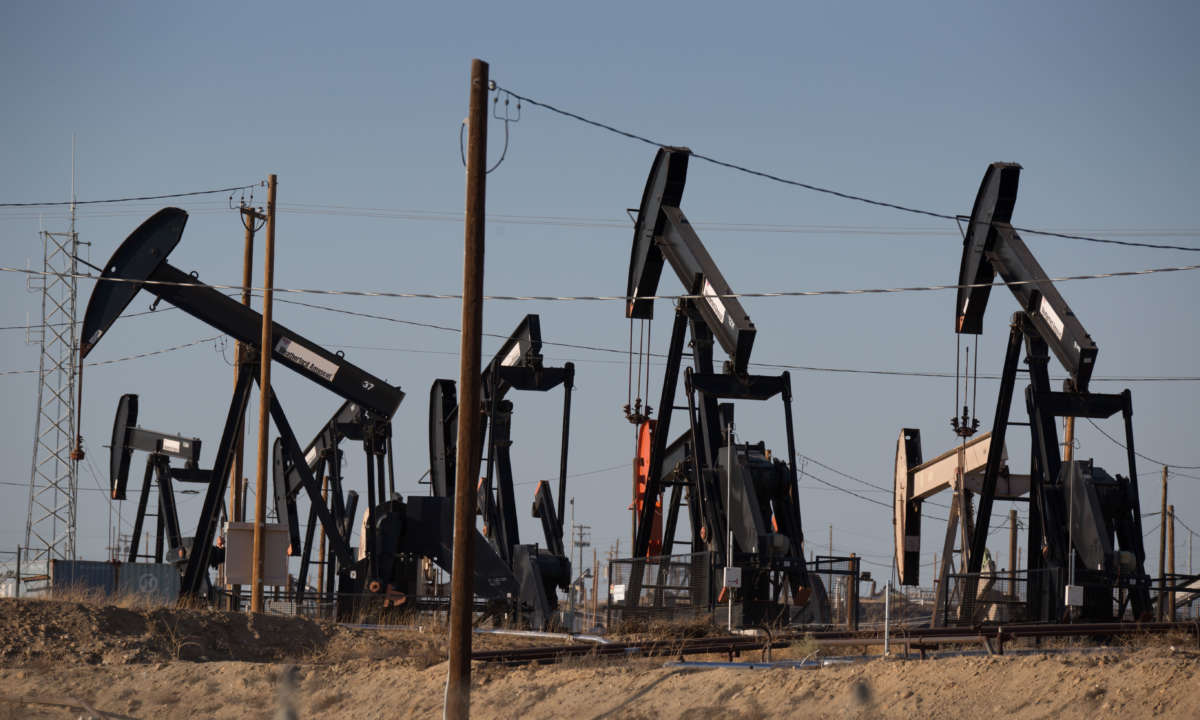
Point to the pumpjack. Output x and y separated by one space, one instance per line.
538 572
141 263
743 503
1085 528
160 448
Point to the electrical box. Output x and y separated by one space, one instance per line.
1074 596
239 553
733 577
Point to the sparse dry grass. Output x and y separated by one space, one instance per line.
92 596
679 629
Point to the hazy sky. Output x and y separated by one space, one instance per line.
360 107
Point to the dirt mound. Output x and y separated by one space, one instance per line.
1151 683
36 632
58 659
33 630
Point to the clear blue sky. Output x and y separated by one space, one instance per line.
360 107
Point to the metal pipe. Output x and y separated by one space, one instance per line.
1162 551
566 435
887 618
729 516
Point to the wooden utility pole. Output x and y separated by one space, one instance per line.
237 508
1012 552
596 584
264 408
1069 440
249 216
458 681
852 594
829 575
1162 549
1171 560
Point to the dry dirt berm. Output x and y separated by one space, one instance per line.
69 660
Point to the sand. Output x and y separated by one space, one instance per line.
161 663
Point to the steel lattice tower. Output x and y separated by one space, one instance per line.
54 480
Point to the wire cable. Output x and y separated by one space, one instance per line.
848 476
839 488
622 298
80 322
151 353
1135 452
619 351
825 190
132 199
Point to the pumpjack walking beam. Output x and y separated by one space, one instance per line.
1103 506
663 234
140 263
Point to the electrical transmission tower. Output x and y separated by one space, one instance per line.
54 480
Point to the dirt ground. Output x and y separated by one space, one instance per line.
70 660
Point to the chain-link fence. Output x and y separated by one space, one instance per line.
661 587
991 597
840 576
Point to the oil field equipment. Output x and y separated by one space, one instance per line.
1084 528
169 543
538 572
743 503
141 263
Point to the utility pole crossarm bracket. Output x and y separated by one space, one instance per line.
663 231
992 245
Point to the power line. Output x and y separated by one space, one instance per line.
1135 452
619 351
820 189
839 488
859 480
444 328
593 222
845 475
79 322
576 475
132 199
26 485
139 356
1185 525
623 298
